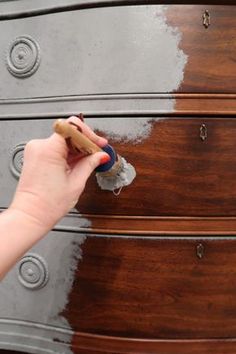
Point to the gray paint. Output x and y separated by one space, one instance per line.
62 252
94 105
128 49
126 130
32 337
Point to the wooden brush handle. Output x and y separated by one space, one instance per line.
78 139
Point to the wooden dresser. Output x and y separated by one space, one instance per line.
153 269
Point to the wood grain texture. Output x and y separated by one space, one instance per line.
155 289
141 226
178 174
90 344
211 65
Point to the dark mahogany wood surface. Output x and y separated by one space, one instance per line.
178 174
88 344
155 288
211 65
140 226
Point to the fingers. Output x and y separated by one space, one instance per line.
100 141
83 169
56 143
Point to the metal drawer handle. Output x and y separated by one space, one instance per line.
200 250
206 19
203 132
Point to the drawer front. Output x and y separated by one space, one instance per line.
159 288
106 293
185 167
125 49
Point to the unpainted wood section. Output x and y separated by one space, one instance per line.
159 289
104 345
124 346
178 174
141 226
211 65
203 104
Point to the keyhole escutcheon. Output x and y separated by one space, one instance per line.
206 19
203 132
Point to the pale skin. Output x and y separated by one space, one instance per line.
51 183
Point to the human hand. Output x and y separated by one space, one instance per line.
53 176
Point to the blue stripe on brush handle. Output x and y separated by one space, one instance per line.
108 165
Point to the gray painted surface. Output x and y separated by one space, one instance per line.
35 338
61 252
14 7
104 50
128 130
94 105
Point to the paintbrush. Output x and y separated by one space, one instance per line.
114 174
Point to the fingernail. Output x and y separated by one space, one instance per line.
105 159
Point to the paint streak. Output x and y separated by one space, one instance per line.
123 129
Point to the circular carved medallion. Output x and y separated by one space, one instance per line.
17 159
23 56
33 271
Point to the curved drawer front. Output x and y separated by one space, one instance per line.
162 289
124 49
185 167
159 288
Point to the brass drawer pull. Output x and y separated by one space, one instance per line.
206 19
203 132
200 250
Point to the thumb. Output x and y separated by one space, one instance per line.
85 166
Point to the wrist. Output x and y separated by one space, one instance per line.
19 232
27 222
36 212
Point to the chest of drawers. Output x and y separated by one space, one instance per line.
151 270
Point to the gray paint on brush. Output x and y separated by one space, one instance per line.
123 177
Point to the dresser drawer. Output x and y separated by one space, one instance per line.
155 288
185 167
119 49
121 295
